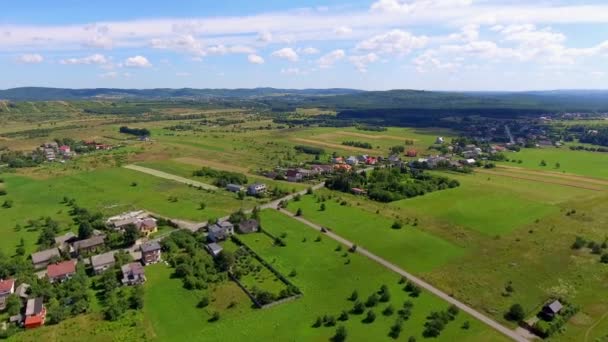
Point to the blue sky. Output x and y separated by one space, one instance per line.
371 44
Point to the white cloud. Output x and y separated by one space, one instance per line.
393 42
361 62
137 62
343 31
93 59
407 7
331 58
310 51
286 53
183 43
30 58
429 61
255 59
265 37
234 49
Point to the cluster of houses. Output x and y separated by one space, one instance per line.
221 231
141 220
52 151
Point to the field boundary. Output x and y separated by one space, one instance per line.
332 145
164 175
532 178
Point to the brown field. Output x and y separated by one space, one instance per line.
336 146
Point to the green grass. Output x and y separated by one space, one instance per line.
325 280
410 247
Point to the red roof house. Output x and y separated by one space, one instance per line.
412 153
371 161
7 287
61 271
65 149
35 313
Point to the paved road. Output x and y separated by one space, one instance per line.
508 131
478 315
169 176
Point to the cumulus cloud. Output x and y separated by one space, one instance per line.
286 53
343 31
361 62
310 51
109 75
393 42
30 58
137 62
329 59
408 6
93 59
255 59
428 61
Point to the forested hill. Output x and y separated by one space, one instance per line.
50 94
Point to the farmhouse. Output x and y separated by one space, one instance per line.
133 274
7 287
256 189
352 160
102 262
147 226
220 231
294 176
234 187
248 226
214 249
61 271
35 313
552 309
89 245
150 252
43 258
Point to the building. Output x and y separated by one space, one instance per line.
322 169
256 189
220 231
352 160
102 262
342 167
133 274
35 313
358 191
43 258
119 222
411 153
7 287
90 245
63 242
371 160
552 309
439 140
337 160
147 226
61 271
214 249
294 176
249 226
150 252
235 187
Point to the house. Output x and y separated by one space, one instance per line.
411 153
65 150
35 313
220 231
352 160
133 274
119 222
342 167
294 176
89 245
63 242
552 309
214 249
256 189
337 160
102 262
52 145
22 291
322 169
439 140
147 226
394 159
43 258
358 191
234 187
150 252
248 226
371 161
7 287
61 271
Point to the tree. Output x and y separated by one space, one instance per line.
340 335
370 317
543 163
354 296
47 237
322 208
56 311
131 235
397 225
214 317
343 316
202 206
557 165
396 328
358 308
299 212
604 258
372 300
318 322
388 311
516 313
13 305
20 250
224 261
136 301
85 230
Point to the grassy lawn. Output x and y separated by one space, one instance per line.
409 247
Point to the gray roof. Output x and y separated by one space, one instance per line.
150 246
64 238
45 255
215 229
133 268
91 242
34 306
226 224
214 248
555 307
102 259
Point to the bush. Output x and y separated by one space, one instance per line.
370 317
516 313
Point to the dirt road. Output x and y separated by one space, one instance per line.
169 176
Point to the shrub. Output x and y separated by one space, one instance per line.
516 313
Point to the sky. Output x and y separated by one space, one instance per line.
364 44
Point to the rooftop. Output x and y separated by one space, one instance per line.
150 246
7 285
102 259
45 255
61 269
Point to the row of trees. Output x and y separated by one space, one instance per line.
359 144
140 132
221 178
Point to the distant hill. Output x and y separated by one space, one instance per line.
51 94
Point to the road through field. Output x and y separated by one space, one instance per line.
437 292
169 176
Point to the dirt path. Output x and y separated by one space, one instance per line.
546 180
594 325
169 176
462 306
336 146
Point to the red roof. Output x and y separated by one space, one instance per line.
64 148
61 269
7 285
34 321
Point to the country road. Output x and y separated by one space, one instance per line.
464 307
169 176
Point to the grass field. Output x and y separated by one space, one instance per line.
409 247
